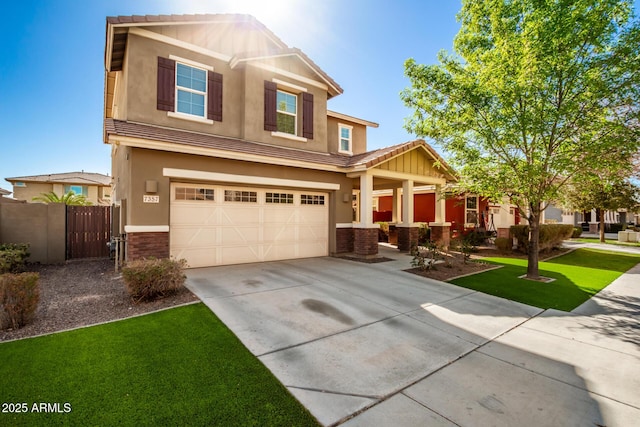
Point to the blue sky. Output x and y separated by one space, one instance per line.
52 66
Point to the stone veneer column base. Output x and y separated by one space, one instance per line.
365 241
441 234
407 237
344 240
144 245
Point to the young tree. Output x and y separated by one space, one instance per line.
70 198
603 195
534 92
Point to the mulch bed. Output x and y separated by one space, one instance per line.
82 293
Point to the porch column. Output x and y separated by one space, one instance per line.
366 232
397 206
440 229
407 230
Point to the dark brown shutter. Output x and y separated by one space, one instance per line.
307 115
215 96
270 99
166 84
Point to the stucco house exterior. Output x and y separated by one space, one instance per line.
96 187
225 151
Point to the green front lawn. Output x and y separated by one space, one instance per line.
579 275
176 367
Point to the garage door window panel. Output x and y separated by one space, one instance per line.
284 198
240 196
195 194
311 199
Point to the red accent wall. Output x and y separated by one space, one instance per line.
424 207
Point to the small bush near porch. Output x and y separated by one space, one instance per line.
578 276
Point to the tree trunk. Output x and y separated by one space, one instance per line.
534 240
602 240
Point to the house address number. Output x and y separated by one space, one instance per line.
150 199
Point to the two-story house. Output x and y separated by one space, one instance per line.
224 150
96 187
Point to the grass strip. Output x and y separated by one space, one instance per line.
176 367
579 275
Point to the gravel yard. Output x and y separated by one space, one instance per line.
81 293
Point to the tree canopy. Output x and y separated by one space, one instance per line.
534 92
69 198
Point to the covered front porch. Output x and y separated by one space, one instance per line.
400 169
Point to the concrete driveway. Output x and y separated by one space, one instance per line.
369 344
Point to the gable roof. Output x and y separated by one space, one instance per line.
116 40
245 57
375 157
87 178
218 146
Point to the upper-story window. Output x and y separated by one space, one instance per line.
287 110
77 189
191 89
345 139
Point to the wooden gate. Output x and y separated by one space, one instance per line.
88 231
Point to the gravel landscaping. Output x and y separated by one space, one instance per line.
81 293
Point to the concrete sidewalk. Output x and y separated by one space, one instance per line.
369 344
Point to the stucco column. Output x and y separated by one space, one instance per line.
366 232
440 228
407 203
396 207
407 230
440 205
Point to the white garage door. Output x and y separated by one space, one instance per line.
218 225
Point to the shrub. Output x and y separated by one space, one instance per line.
425 257
475 237
577 232
13 257
503 244
614 228
551 236
148 279
19 295
424 234
383 231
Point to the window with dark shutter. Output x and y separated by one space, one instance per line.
307 115
166 84
215 96
270 116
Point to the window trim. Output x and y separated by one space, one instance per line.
178 88
192 117
289 136
467 210
340 138
295 115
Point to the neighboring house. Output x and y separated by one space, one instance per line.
588 220
462 211
95 186
4 197
224 150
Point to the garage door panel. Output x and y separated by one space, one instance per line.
231 255
217 232
198 257
193 215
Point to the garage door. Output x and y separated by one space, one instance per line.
218 225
